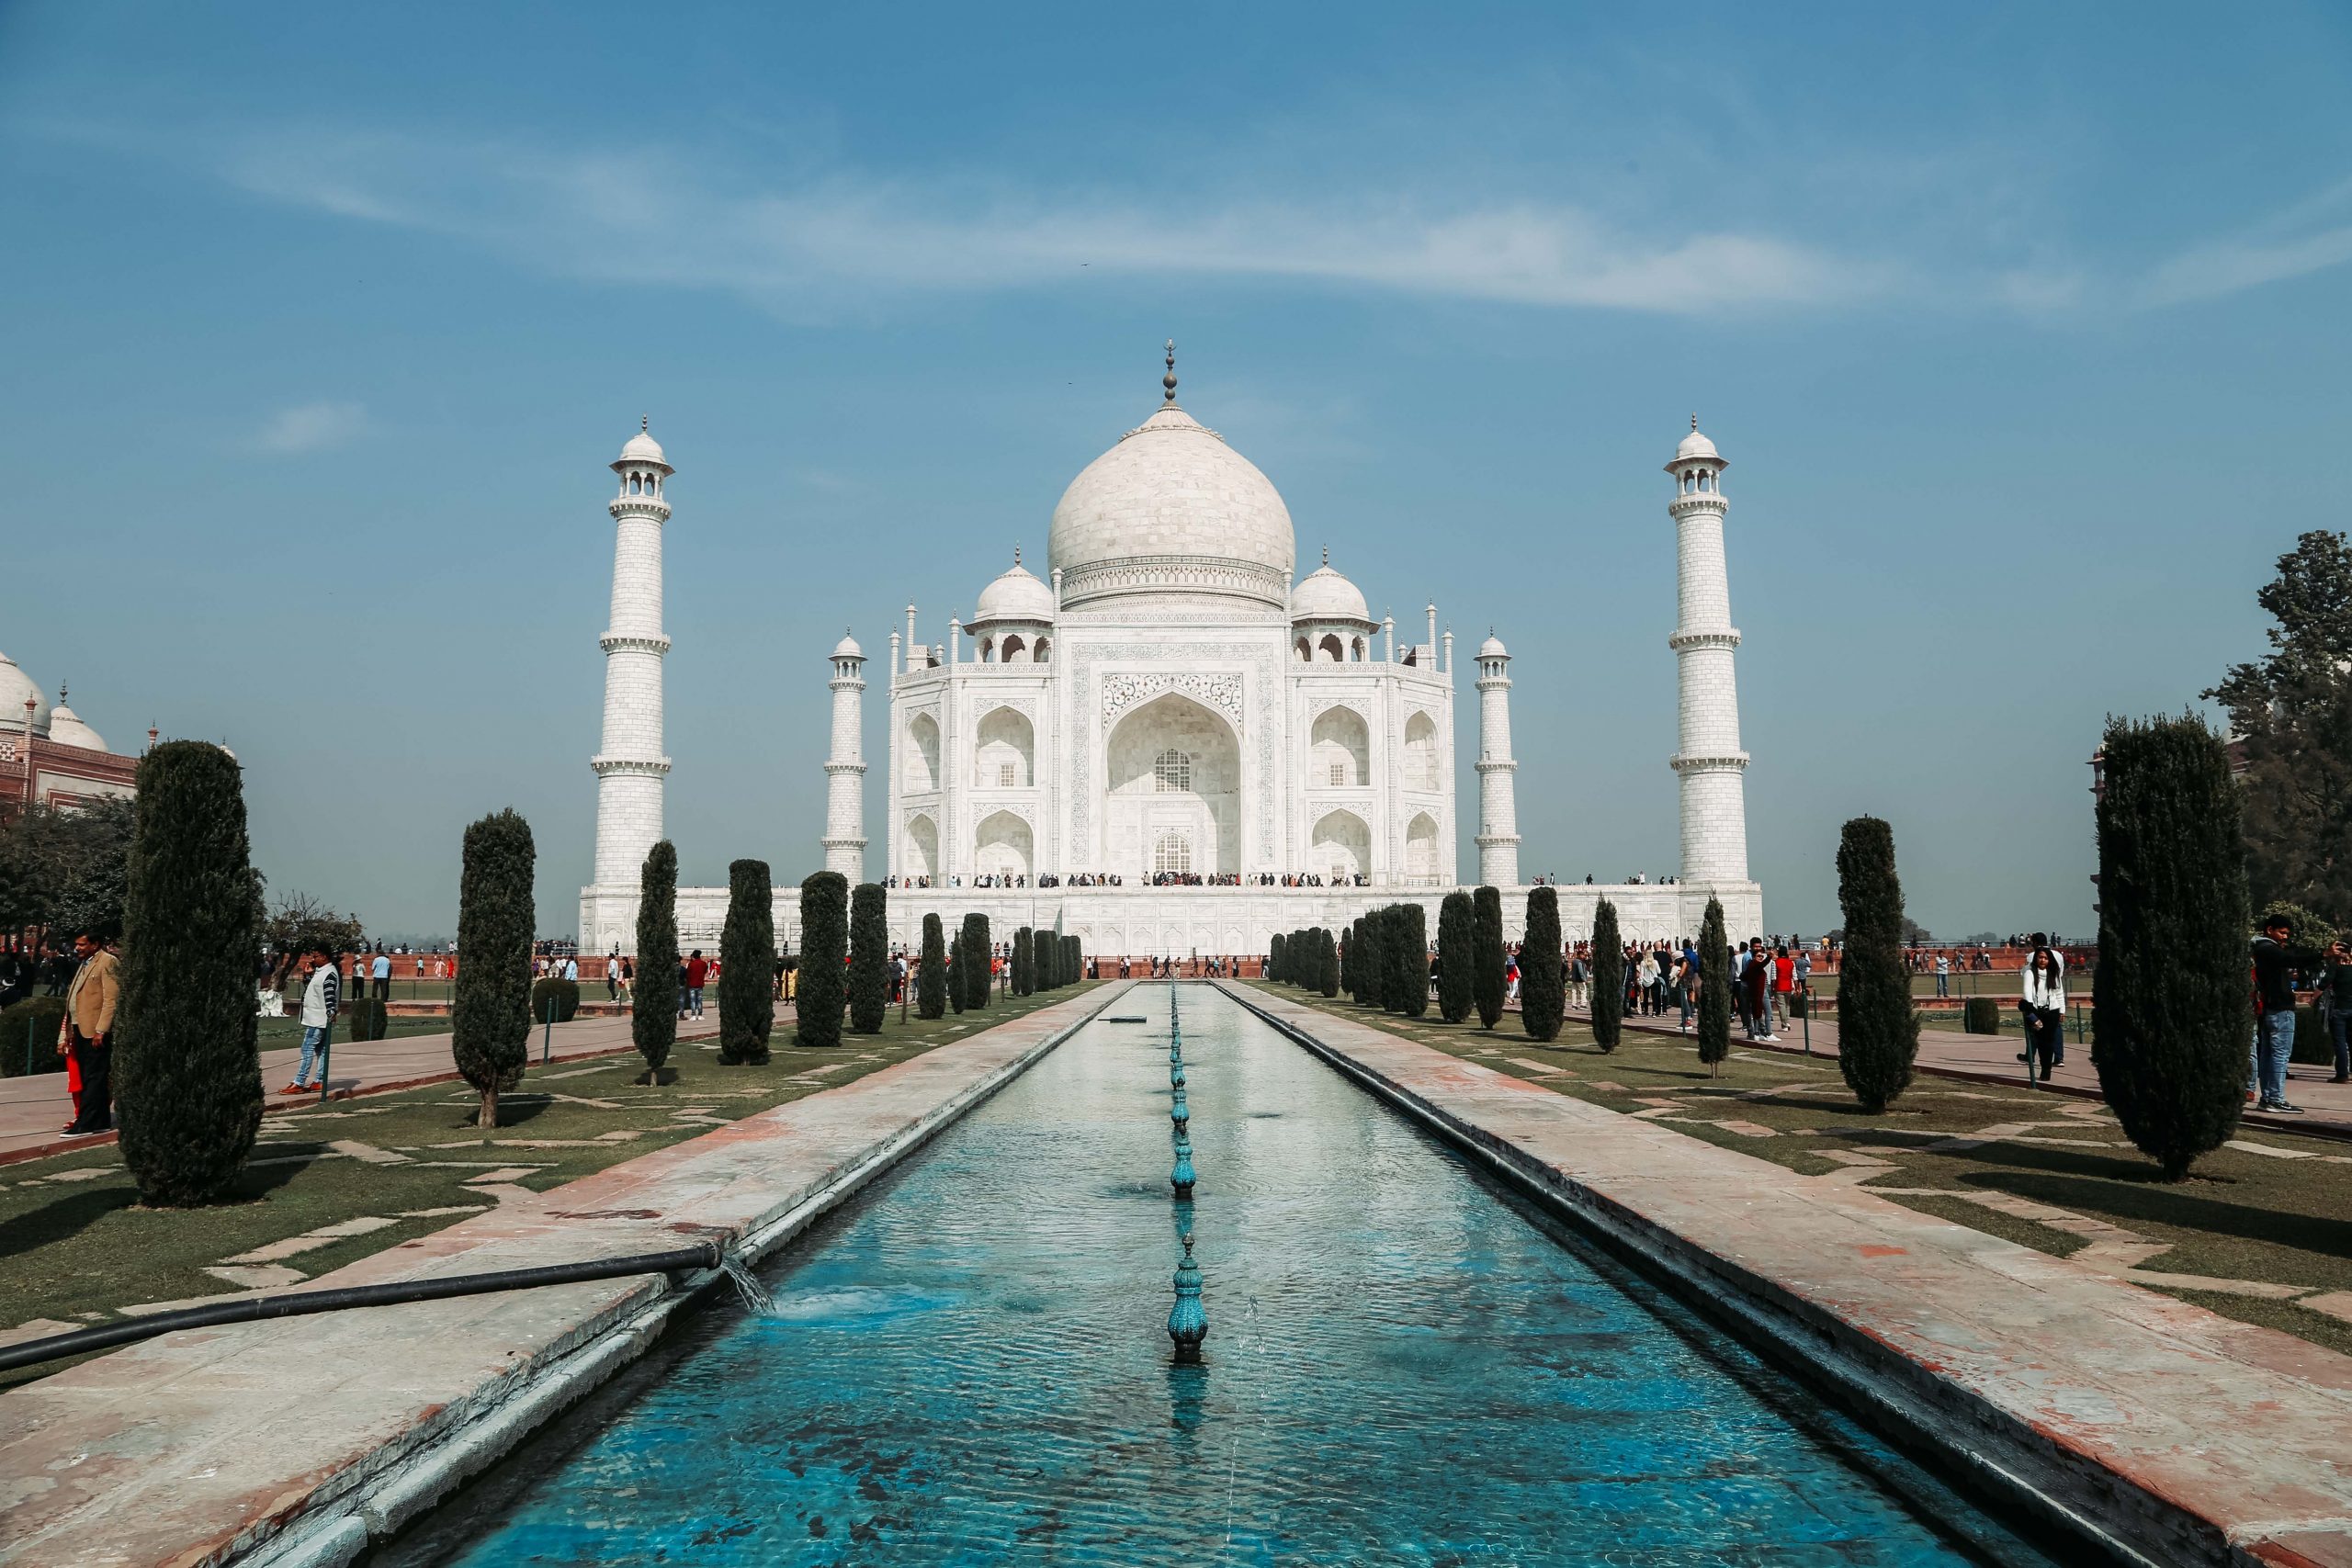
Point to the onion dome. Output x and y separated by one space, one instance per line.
1017 595
66 728
15 687
1324 595
1695 445
1493 648
847 647
642 447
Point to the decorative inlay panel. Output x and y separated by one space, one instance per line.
1221 692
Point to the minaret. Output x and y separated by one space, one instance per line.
1498 790
629 766
845 837
1709 761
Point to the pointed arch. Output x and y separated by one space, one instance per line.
1004 754
1339 749
921 855
1340 847
923 755
1000 845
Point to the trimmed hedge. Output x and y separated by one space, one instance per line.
1542 989
869 958
653 1009
1488 963
824 945
1609 977
975 962
1878 1034
365 1018
565 994
930 970
490 1019
747 965
1980 1015
38 1018
1714 988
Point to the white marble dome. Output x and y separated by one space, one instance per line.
15 687
1018 596
847 647
65 727
643 449
1172 509
1493 648
1696 446
1324 595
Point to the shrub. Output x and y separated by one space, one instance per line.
564 993
365 1018
1542 988
1878 1034
1275 954
1609 977
37 1020
2171 1013
1980 1015
1456 941
490 1016
869 958
1074 965
977 978
186 1076
1351 940
1330 945
930 970
747 965
824 945
1024 962
654 1010
1488 962
1714 987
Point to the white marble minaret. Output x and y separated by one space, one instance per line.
1497 789
845 837
629 765
1709 761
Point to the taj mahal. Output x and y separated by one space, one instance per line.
1171 745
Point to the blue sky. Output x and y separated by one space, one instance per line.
2023 328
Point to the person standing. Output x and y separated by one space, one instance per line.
1579 981
697 974
381 971
2336 990
2275 960
1943 974
1754 992
2042 1010
322 1000
1784 986
86 1035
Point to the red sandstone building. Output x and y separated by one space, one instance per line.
48 755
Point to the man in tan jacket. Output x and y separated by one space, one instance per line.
88 1031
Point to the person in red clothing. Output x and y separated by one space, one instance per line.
1784 983
698 976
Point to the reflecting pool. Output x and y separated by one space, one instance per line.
970 1364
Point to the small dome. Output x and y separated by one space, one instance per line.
66 728
1493 648
643 449
1695 445
847 647
15 687
1324 595
1015 596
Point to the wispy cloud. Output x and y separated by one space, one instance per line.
2312 236
648 218
311 427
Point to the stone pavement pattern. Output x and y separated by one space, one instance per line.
197 1446
2231 1437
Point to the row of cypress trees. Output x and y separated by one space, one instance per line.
1308 959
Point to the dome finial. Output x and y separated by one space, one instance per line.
1327 555
645 425
1169 381
1695 424
1016 555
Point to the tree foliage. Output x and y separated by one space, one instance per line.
1489 962
1276 950
1330 956
824 947
1023 954
1543 983
1457 921
490 1013
1878 1031
1608 977
976 961
869 958
186 1064
2292 712
67 871
1714 986
297 924
653 1004
2172 1012
746 966
930 970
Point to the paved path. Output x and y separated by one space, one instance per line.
2328 1107
2195 1438
32 1109
217 1445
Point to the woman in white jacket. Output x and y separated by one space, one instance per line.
2044 1005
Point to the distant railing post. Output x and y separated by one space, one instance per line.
547 1040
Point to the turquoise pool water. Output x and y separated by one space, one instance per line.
970 1365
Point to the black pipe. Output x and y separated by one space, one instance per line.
299 1304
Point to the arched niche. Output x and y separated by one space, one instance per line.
1004 750
923 753
1000 845
1014 650
1329 649
1340 847
1339 749
921 852
1172 765
1420 752
1421 848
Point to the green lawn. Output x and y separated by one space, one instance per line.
2281 1217
78 1246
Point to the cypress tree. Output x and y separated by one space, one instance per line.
1608 977
1352 940
1878 1032
1021 958
977 977
1488 959
1455 943
1075 952
1543 987
824 943
931 972
869 958
746 966
956 970
186 1064
2171 1010
653 1005
1376 959
1414 942
1274 958
490 1015
1714 987
1330 964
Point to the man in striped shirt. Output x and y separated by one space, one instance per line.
322 999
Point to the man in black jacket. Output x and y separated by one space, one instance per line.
2275 958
